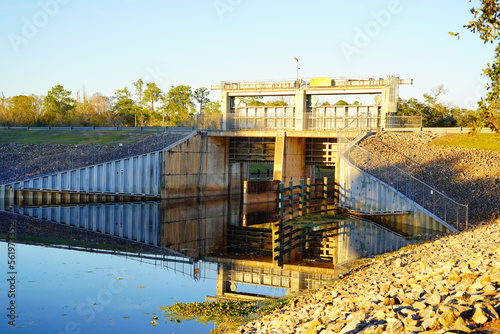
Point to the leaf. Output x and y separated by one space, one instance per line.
453 33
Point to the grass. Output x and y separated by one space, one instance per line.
228 315
68 136
484 141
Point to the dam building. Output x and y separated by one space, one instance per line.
299 139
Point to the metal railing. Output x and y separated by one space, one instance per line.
101 128
283 118
434 201
404 122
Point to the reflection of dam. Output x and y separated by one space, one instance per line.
212 231
134 221
199 229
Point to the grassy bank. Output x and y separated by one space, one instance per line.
484 141
69 136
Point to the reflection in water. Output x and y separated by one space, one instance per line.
217 240
213 230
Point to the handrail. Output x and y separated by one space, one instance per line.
436 202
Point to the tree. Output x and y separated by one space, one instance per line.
277 102
486 23
140 113
179 104
201 96
23 110
253 101
124 106
152 94
58 104
213 108
434 93
341 103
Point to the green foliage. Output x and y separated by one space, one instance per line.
277 103
341 103
152 95
224 312
486 23
124 106
201 96
58 103
213 107
253 101
435 114
21 109
179 104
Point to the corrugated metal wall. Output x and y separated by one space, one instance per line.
136 175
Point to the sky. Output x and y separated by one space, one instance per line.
105 45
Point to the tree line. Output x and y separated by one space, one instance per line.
145 105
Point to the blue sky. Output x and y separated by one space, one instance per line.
104 45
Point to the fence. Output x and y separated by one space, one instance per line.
101 128
294 201
434 201
283 118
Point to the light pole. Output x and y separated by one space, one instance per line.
298 68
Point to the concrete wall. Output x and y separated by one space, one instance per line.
289 158
199 166
364 193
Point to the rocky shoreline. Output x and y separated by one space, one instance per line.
450 285
447 285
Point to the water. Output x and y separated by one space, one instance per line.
190 251
69 291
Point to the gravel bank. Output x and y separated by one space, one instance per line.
20 161
448 285
469 176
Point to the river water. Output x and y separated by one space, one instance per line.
194 251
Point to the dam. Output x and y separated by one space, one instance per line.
299 141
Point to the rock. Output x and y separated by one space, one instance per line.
448 315
433 299
479 316
394 325
430 323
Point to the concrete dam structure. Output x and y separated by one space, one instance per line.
302 140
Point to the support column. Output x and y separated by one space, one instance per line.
279 156
300 110
225 107
289 158
389 100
